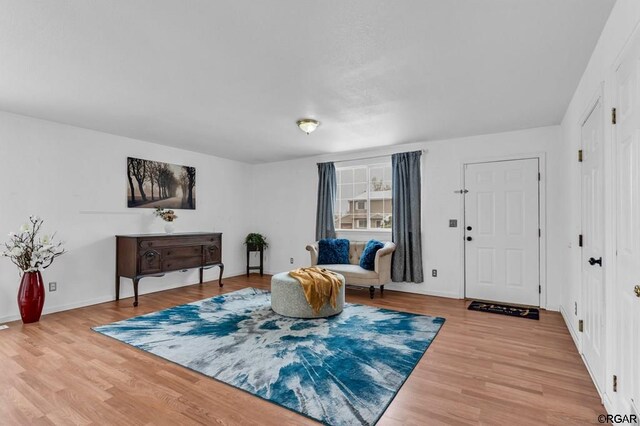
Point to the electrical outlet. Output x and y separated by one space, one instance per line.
453 223
434 272
291 261
53 286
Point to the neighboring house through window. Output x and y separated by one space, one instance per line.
364 196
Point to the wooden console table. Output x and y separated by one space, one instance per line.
152 255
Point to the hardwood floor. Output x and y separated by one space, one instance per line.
481 368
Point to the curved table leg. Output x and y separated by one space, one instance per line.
135 291
221 272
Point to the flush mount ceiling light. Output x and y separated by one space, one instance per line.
307 125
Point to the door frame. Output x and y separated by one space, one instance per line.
542 216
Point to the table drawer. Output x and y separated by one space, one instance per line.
171 253
213 253
179 263
178 241
150 262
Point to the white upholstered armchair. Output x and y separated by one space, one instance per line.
353 273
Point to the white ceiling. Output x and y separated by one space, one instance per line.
230 78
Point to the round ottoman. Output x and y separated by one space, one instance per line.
287 298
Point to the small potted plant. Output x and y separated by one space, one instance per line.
31 253
255 242
169 216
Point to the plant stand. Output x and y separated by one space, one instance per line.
259 267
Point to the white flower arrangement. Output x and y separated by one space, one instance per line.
166 215
28 251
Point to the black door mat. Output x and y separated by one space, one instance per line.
514 311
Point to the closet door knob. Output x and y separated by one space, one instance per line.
469 238
636 290
469 228
593 261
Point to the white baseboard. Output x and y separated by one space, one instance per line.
392 287
576 342
65 307
98 300
569 325
600 391
609 405
423 292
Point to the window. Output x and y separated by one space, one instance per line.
364 197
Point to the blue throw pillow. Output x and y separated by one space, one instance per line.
368 258
333 251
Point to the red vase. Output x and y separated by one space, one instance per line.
31 297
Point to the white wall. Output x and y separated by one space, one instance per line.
75 179
286 194
598 77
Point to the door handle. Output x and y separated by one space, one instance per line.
636 290
469 238
469 228
593 261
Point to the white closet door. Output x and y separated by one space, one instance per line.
593 294
627 302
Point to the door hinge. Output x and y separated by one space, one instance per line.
580 326
579 156
539 233
539 176
580 240
539 289
615 383
613 116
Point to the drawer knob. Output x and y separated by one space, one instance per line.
150 255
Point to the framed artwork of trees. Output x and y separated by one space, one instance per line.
152 184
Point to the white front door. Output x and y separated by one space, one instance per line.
502 259
626 300
593 294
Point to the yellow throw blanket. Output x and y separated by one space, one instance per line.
319 285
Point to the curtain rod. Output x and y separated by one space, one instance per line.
370 158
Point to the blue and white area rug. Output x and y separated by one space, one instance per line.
343 370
